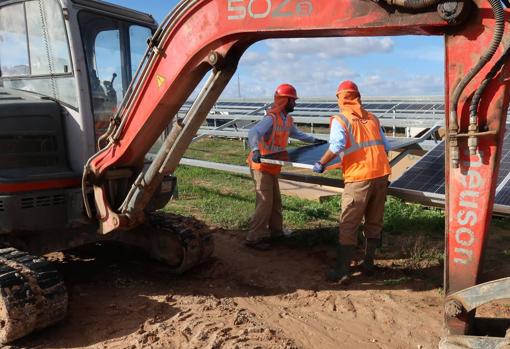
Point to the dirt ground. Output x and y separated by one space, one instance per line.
241 299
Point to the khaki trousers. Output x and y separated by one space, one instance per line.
362 201
267 220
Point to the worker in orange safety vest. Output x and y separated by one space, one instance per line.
357 138
271 135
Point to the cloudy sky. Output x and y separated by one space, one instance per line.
382 66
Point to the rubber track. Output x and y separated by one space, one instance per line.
195 236
29 286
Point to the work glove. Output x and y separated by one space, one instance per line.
319 141
256 156
318 167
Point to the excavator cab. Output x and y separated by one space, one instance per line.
72 62
82 54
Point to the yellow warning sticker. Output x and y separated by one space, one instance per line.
160 80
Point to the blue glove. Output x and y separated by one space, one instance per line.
318 167
319 141
256 156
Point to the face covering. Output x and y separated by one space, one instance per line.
290 105
350 103
279 105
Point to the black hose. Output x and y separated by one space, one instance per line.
473 108
413 4
499 16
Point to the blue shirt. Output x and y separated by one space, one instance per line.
338 138
265 127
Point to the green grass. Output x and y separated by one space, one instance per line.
394 282
228 200
412 232
228 151
404 218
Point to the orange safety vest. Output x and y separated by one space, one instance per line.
364 154
274 143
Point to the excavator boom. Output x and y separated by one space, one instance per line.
203 35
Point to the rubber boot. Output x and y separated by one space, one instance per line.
367 266
341 271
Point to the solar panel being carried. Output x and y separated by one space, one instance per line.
306 156
425 181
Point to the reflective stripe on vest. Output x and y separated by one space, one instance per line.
364 155
277 142
355 146
286 128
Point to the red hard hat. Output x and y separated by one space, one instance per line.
347 85
286 90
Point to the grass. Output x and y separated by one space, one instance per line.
412 231
405 218
228 200
394 282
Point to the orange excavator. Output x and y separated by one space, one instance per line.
201 36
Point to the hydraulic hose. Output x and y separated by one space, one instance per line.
473 108
413 4
499 16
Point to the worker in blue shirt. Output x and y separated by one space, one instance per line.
357 138
270 136
338 138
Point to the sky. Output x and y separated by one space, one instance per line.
381 66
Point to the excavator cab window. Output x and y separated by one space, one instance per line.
34 50
113 49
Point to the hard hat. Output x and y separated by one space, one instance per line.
347 85
286 90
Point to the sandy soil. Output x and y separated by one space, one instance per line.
241 299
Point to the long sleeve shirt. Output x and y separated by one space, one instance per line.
338 138
265 127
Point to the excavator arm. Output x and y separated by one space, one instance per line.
204 35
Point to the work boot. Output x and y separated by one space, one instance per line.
340 272
367 265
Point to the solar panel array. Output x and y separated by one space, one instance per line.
384 108
428 175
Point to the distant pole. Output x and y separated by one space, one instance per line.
238 86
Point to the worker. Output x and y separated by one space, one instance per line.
357 138
271 135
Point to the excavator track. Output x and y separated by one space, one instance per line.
195 238
32 294
180 242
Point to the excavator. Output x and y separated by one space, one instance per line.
77 119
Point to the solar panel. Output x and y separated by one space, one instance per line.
427 175
503 196
308 155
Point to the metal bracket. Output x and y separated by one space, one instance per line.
478 295
469 299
